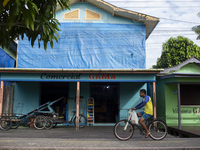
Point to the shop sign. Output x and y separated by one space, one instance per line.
77 76
196 110
61 76
185 111
86 77
102 76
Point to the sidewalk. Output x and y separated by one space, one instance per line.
191 129
92 137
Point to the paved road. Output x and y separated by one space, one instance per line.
86 138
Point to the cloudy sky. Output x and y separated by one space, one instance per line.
177 17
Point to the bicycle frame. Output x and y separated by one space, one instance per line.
129 120
48 105
73 116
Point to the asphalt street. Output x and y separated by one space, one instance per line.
87 138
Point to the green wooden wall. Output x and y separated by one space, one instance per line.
167 99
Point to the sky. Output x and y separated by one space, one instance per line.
177 17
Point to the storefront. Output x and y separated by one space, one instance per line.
113 90
106 101
179 95
99 46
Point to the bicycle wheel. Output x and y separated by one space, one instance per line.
5 123
158 129
39 122
82 121
123 130
15 122
49 123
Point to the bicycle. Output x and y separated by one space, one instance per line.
82 120
47 119
124 129
39 122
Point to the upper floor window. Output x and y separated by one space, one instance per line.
72 15
91 15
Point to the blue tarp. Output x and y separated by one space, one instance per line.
89 46
6 61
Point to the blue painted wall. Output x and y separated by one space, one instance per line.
27 93
71 105
129 97
84 91
6 61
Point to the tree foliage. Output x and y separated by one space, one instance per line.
33 18
196 29
175 51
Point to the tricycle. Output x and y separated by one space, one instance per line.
39 118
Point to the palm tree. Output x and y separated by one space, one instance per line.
196 29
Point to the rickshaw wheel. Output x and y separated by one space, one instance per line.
39 122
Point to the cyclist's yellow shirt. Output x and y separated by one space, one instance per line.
148 108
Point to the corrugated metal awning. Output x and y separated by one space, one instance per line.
38 70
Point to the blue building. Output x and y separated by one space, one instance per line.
101 52
7 60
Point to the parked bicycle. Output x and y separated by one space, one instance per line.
82 120
124 129
12 121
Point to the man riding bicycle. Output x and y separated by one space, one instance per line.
148 110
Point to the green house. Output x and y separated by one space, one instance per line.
178 94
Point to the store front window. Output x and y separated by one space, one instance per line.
190 94
106 101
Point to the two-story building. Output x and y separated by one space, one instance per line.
101 52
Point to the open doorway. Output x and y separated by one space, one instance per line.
50 91
106 101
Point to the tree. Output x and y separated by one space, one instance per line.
33 18
196 29
175 51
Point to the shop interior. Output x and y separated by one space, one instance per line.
106 101
50 91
